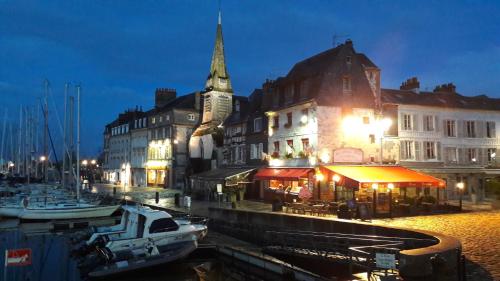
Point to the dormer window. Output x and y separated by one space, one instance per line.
348 59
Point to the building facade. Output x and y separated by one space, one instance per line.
445 134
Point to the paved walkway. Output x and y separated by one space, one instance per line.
479 231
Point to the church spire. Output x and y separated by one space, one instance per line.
218 78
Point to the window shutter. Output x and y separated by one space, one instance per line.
482 155
401 122
414 121
436 123
461 156
480 129
438 150
424 150
460 129
445 128
493 130
261 150
417 151
402 150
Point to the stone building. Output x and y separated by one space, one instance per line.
217 106
171 124
138 149
445 134
314 109
117 165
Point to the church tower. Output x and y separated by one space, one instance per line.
218 91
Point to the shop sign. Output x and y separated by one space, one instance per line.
387 261
348 155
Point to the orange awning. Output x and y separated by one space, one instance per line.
386 174
291 174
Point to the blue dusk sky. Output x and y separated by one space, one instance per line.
120 51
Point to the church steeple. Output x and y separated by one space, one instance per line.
218 78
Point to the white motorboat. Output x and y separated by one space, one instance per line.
143 235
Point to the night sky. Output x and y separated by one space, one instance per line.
120 51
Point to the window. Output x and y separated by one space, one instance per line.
153 120
190 117
288 119
305 145
253 151
470 129
430 151
276 121
492 153
451 128
289 143
451 155
429 123
277 146
406 150
490 130
471 155
163 225
348 59
289 93
208 104
407 122
257 124
366 120
372 138
260 150
135 124
305 116
346 84
161 119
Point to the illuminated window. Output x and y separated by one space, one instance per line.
305 144
153 120
492 152
277 146
471 155
190 117
257 124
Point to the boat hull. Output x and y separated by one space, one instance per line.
10 211
177 252
67 213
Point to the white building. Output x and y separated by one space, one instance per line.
139 147
445 134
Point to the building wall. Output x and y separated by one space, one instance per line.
139 145
452 160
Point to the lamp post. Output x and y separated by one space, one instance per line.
374 202
319 178
42 160
335 178
390 186
460 187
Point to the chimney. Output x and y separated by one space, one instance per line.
163 96
445 88
411 84
348 42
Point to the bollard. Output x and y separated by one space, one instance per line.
114 190
157 195
177 199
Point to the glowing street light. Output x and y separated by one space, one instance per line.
93 161
460 186
85 162
43 158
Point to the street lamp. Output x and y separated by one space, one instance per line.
43 158
460 187
336 179
93 161
374 202
85 162
390 186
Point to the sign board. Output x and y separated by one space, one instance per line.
17 257
219 188
386 261
348 155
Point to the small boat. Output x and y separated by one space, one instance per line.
59 211
135 261
144 238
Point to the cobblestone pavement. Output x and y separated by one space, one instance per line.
479 233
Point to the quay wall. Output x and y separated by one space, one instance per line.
438 257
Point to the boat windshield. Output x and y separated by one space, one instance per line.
140 226
163 225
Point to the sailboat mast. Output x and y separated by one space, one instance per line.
18 158
71 137
78 144
2 155
27 151
45 132
65 137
